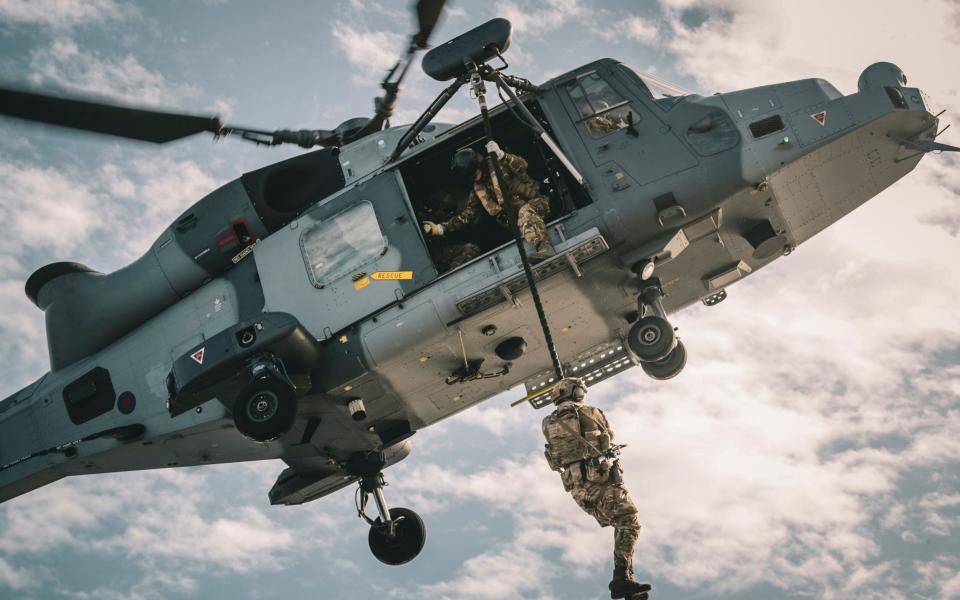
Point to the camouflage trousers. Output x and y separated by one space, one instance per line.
610 504
451 256
530 220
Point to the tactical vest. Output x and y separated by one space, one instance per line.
572 436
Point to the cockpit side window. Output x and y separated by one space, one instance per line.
579 99
599 93
713 133
342 244
602 108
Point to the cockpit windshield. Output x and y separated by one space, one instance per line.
665 94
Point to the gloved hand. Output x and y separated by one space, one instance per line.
493 148
431 228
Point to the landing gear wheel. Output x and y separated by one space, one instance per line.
651 338
265 409
668 367
409 535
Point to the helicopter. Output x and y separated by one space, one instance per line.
298 312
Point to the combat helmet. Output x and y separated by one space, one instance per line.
465 162
569 388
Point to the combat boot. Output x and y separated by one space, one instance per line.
622 586
541 252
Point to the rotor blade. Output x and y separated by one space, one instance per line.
134 123
428 11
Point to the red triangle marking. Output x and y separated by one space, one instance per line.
820 117
198 356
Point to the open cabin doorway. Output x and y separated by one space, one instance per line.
428 176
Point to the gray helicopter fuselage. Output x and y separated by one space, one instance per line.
708 188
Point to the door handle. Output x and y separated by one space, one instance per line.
631 130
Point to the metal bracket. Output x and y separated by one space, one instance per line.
671 215
572 261
509 297
471 372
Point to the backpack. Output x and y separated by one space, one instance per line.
571 437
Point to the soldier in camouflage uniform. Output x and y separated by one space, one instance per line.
447 255
580 446
520 190
450 256
603 124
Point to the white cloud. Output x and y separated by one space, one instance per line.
508 573
368 7
941 577
44 207
926 517
16 579
245 540
171 522
747 43
498 419
640 30
65 65
58 210
535 19
455 12
24 323
51 518
373 52
945 211
62 14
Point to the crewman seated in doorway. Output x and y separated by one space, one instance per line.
519 189
447 254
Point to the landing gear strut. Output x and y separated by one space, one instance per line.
652 339
397 535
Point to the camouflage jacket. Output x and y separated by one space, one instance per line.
520 188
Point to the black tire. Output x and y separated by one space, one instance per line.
651 339
265 409
670 366
409 536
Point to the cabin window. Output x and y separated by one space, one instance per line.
713 133
341 244
766 126
603 109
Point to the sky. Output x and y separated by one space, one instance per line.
810 449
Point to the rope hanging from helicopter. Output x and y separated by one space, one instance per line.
478 91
